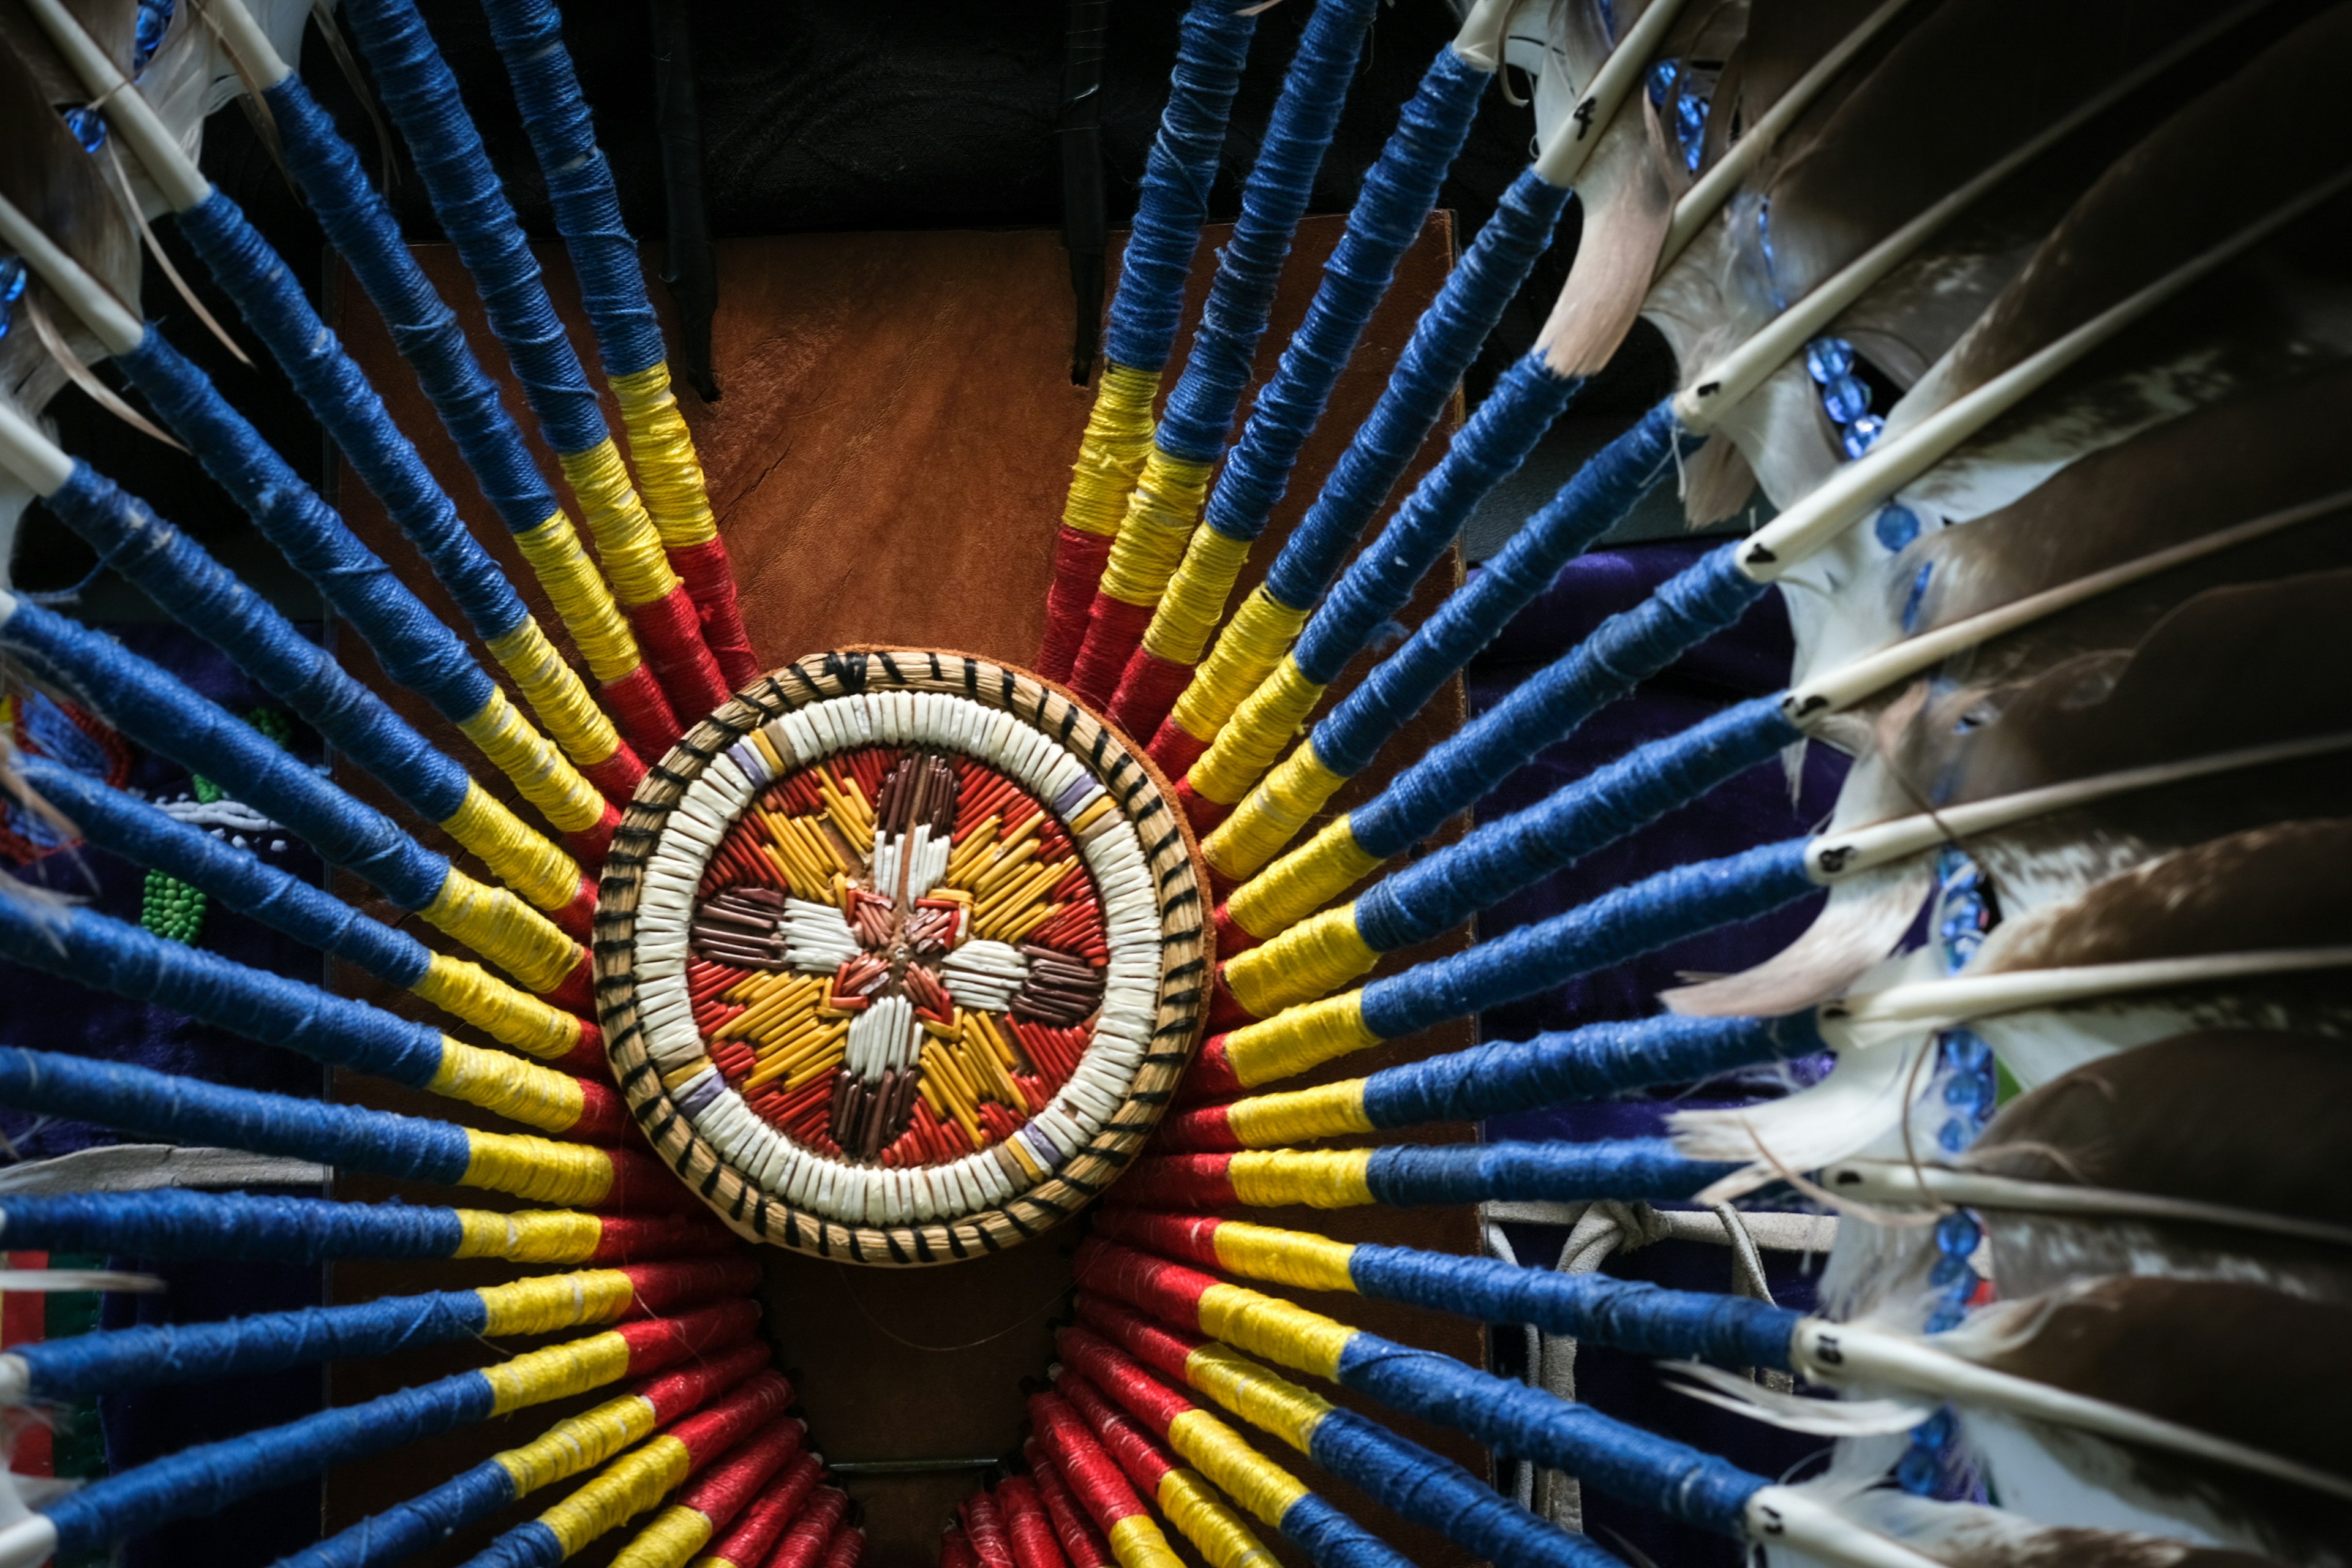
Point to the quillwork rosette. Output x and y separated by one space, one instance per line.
899 954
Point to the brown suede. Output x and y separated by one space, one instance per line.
888 467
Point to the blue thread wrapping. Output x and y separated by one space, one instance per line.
1489 450
529 35
532 1545
1432 1490
207 1478
245 883
1624 1461
421 96
154 709
1632 1315
1405 1176
1199 415
1446 339
1418 902
1623 651
403 1531
408 640
103 953
1395 200
1212 45
210 600
1594 1062
1331 1540
178 1109
87 1366
338 394
169 1224
1624 924
1602 492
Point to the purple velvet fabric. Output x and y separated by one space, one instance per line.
1749 661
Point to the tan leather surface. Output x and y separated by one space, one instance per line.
888 466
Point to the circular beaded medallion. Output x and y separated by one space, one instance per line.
899 956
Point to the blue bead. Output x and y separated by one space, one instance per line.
1946 1317
1955 1135
1965 1051
1691 124
1918 597
1826 359
1863 435
1935 1433
1844 399
89 126
1958 1233
1661 78
154 21
12 278
1896 526
1918 1471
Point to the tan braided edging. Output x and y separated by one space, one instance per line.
1185 954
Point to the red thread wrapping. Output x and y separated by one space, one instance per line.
807 1538
589 843
1207 1129
578 918
658 1342
1203 813
575 992
1145 1462
1093 1475
1233 937
616 776
1078 558
1175 748
603 1114
679 1393
955 1551
1226 1009
1169 1291
586 1058
719 1432
1148 688
984 1528
758 1526
641 711
723 1491
847 1545
1121 1376
642 1185
1211 1075
710 579
1027 1526
671 634
1185 1237
631 1240
1113 627
1166 1351
1082 1544
667 1287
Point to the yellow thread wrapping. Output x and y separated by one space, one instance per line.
1297 1039
1255 735
1302 881
1161 513
570 1446
1269 1403
1283 803
623 1488
1307 961
527 861
1285 1256
1286 1336
626 545
1111 452
1212 1526
1196 595
469 992
675 1535
557 1373
1318 1178
582 600
517 1090
1301 1116
556 694
539 1169
540 772
661 448
1262 1486
1247 651
544 1235
1137 1542
555 1302
502 929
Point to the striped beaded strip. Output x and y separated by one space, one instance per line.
901 955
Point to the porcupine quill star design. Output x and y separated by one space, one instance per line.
2031 326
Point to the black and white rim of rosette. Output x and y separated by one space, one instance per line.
1138 858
